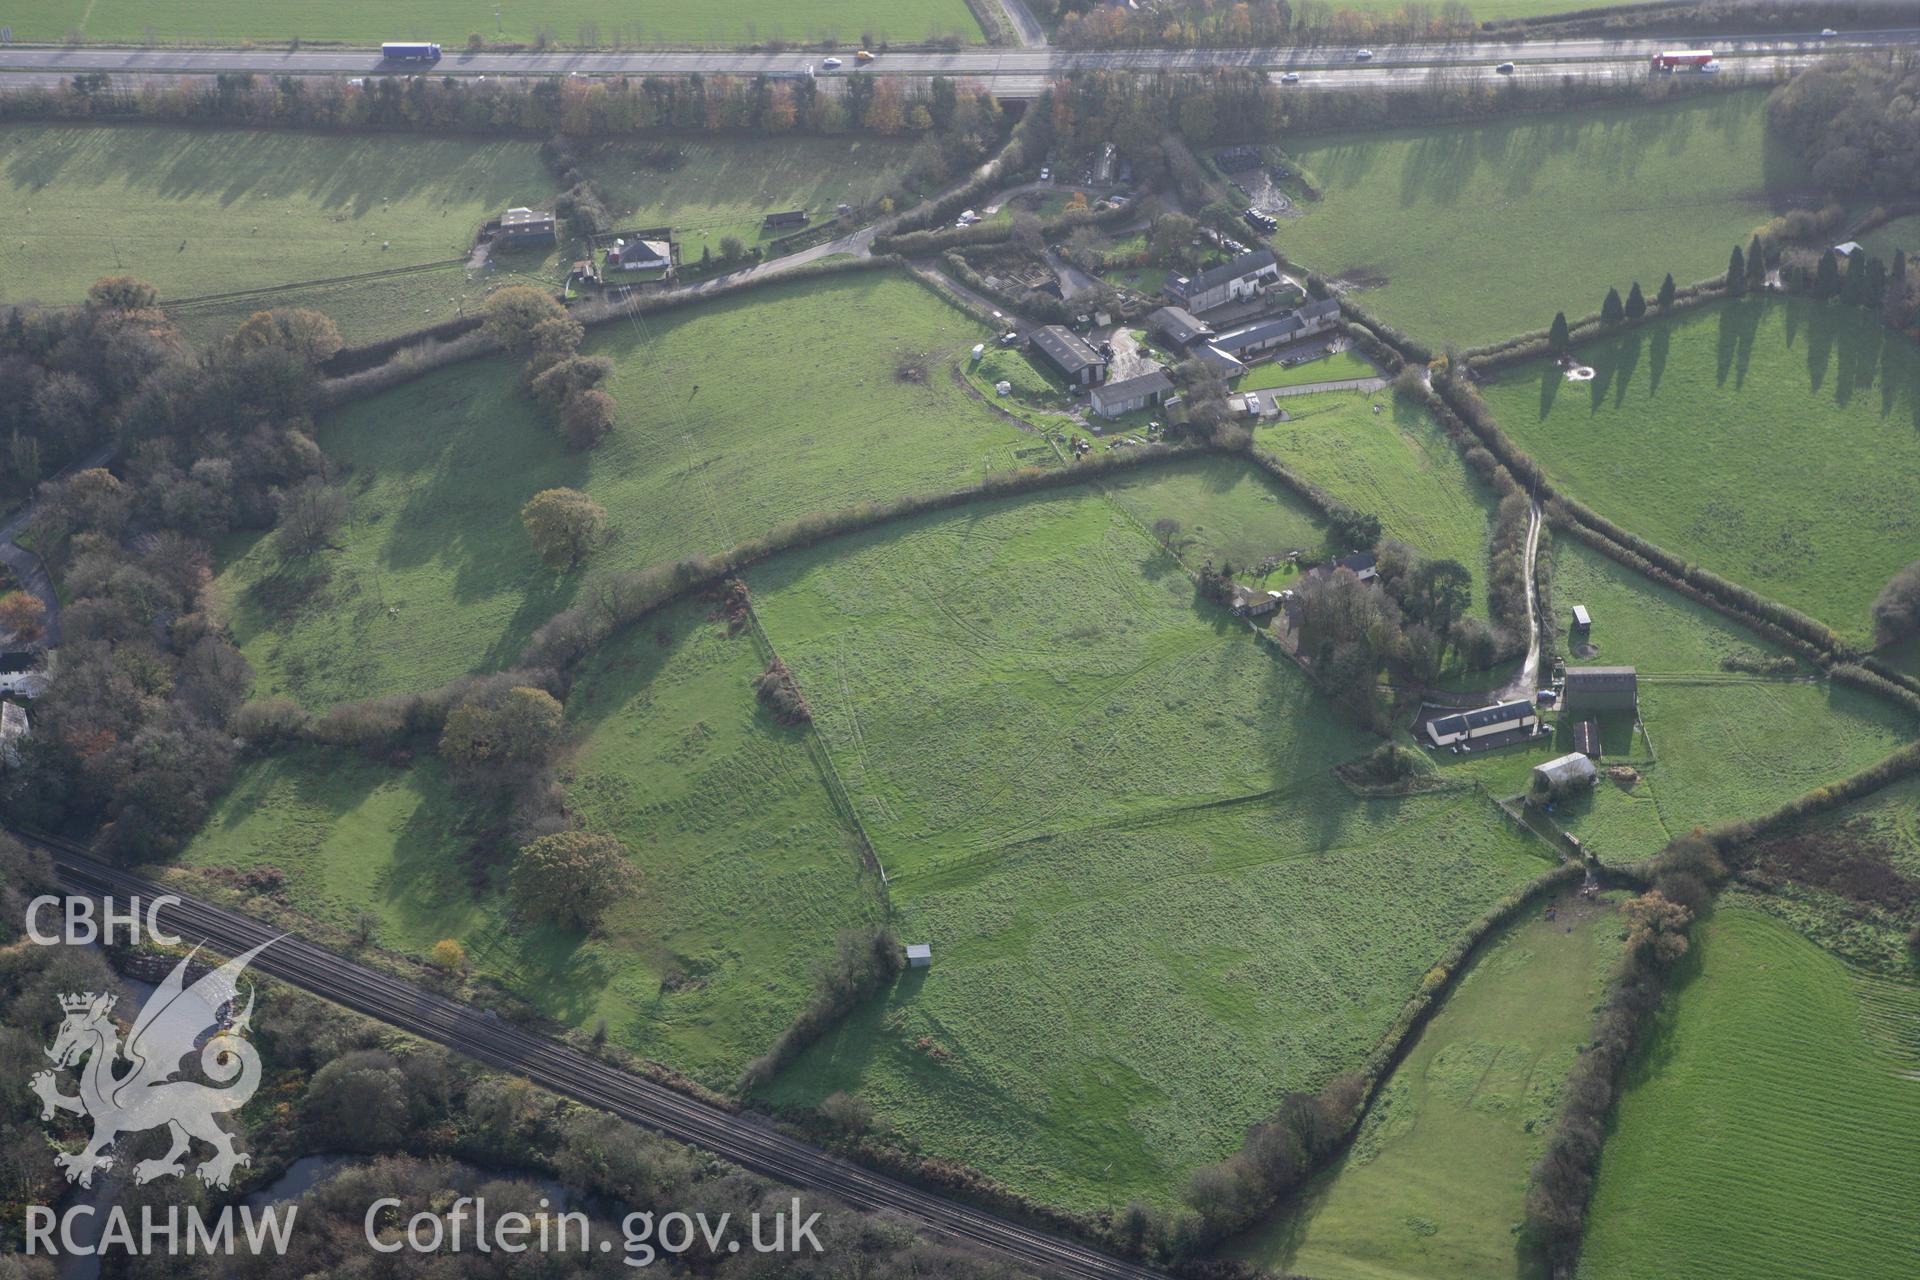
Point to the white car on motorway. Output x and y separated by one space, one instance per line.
1291 77
1363 55
832 64
1828 33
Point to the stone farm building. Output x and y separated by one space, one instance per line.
1486 722
526 227
1252 341
786 220
1112 399
1247 276
1071 355
1177 327
1601 689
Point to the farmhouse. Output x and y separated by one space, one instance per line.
1112 399
785 220
1071 354
526 227
1262 336
640 255
1177 327
1486 722
1602 689
1245 277
919 955
1564 773
1251 602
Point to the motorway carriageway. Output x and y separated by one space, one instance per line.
983 63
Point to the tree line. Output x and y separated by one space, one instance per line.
579 107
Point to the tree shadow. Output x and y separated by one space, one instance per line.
1657 347
1550 381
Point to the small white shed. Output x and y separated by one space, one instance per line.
919 955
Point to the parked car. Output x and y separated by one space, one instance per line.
1363 55
1290 77
833 64
1008 338
1046 173
1828 33
1505 68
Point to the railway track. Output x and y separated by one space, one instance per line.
748 1140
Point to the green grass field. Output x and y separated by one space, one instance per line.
734 416
368 22
1470 233
1716 749
1769 1128
1110 812
744 870
1329 368
1437 1176
1226 510
1396 464
707 189
209 211
1773 442
1901 233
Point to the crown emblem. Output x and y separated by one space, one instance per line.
84 1002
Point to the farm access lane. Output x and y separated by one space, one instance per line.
747 1140
977 63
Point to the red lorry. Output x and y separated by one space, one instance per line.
1674 59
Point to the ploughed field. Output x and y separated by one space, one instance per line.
1774 442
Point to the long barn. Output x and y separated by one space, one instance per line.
1486 722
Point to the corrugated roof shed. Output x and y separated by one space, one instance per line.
1065 348
1566 771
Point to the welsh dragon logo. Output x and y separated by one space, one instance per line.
145 1095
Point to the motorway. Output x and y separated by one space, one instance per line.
1011 86
746 1139
988 64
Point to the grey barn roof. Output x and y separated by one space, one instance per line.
1065 348
1178 325
1500 713
1153 383
1601 679
1213 277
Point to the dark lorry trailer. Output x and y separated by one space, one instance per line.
410 52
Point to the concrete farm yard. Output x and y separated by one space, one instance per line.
969 637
